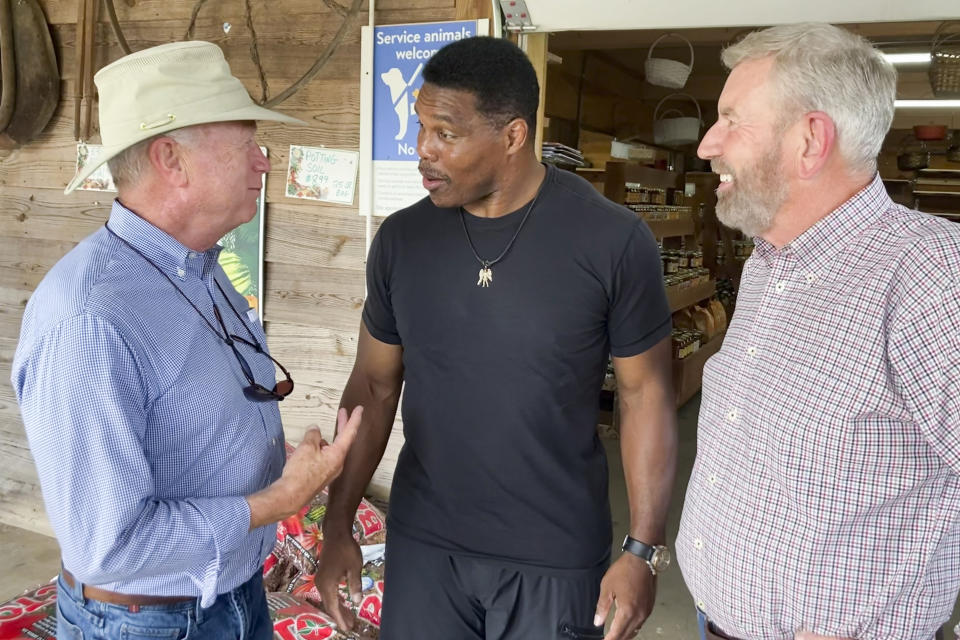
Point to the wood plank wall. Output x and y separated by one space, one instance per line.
314 281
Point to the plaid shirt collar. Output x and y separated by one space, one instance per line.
816 248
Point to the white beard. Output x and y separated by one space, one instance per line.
757 193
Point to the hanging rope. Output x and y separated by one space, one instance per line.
255 52
335 6
112 12
349 17
193 18
320 61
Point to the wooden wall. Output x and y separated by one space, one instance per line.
314 281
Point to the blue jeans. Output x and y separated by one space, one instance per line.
702 624
240 614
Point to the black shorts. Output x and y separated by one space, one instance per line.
434 594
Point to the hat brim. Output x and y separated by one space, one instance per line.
249 112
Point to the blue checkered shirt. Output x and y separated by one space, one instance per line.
144 443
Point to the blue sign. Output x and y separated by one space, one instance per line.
400 52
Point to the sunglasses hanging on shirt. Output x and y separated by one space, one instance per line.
254 391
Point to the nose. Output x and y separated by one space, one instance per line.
710 145
425 149
261 161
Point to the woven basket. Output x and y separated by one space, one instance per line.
664 72
676 131
945 61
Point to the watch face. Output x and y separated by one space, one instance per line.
660 559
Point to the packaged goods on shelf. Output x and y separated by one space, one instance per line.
685 342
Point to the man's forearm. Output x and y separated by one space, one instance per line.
380 409
649 450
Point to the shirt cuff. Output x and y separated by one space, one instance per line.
229 522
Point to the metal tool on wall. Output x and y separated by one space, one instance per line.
28 73
85 93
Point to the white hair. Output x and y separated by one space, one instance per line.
820 67
127 167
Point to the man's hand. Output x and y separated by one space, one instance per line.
340 558
806 635
630 583
314 463
310 468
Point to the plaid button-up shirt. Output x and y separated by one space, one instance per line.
825 494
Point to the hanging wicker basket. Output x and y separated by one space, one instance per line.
945 61
679 130
664 72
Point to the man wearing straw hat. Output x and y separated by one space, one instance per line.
147 393
825 497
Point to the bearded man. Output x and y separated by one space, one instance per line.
825 497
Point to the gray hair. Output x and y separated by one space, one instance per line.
127 167
820 67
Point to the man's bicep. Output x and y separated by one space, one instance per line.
378 361
639 315
83 410
651 369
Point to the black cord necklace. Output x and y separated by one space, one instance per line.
486 273
254 391
226 337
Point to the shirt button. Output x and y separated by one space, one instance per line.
701 605
811 278
697 544
732 415
780 287
713 478
181 272
752 352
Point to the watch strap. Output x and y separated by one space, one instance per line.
637 548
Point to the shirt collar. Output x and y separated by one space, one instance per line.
814 250
165 251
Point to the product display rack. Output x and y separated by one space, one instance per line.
658 197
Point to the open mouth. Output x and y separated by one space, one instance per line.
726 182
432 181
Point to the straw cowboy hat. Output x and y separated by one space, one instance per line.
168 87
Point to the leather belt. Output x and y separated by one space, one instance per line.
132 602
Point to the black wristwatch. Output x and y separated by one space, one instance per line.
657 557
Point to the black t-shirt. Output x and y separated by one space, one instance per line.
502 383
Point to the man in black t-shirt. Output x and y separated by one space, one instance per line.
494 303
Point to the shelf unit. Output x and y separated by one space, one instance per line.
688 373
672 228
934 190
681 297
618 174
680 228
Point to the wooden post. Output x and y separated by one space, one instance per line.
535 44
475 10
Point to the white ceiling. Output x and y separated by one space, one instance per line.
567 15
